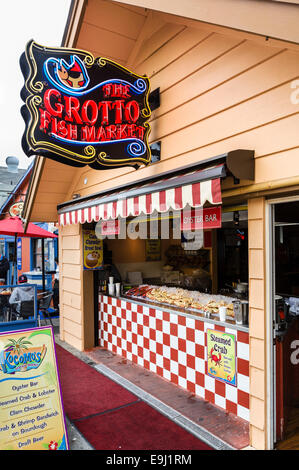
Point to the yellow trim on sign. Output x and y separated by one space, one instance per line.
34 100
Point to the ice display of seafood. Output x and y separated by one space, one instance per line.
193 300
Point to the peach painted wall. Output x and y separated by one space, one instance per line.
257 324
218 93
25 241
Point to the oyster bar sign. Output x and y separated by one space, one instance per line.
82 110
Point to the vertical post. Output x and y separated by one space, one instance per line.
14 263
43 264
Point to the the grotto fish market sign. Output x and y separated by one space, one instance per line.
82 110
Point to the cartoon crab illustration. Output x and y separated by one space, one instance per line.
64 75
214 358
72 74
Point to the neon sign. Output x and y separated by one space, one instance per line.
82 110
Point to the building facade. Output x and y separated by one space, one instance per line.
226 82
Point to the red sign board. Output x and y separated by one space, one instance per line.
201 218
81 110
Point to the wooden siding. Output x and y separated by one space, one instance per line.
52 190
218 93
70 286
257 327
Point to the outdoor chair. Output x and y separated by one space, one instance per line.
4 308
22 310
44 302
26 309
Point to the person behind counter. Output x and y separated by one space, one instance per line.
109 270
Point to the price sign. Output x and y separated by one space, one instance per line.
221 361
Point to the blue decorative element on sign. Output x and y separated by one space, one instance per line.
19 254
136 148
75 74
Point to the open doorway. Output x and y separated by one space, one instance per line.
285 318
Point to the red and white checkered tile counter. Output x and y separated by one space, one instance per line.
173 346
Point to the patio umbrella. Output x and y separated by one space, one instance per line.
13 226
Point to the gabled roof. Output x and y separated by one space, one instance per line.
12 184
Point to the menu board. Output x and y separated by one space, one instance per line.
31 413
221 360
152 250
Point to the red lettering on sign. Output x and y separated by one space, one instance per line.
90 112
49 102
201 218
72 106
117 119
132 111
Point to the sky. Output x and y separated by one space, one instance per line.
20 21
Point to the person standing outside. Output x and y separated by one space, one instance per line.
4 267
56 286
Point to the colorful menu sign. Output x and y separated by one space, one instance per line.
221 361
81 110
31 412
92 250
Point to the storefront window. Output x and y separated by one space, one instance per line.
37 254
287 248
232 250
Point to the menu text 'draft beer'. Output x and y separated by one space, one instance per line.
31 415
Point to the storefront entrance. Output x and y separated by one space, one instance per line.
284 298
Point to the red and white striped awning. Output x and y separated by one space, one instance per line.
148 199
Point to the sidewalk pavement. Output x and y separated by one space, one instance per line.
215 427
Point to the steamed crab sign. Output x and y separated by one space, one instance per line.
82 110
221 360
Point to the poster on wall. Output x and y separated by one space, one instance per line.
92 250
31 411
221 360
81 110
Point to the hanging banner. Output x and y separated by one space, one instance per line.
81 110
221 361
31 412
92 250
19 254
